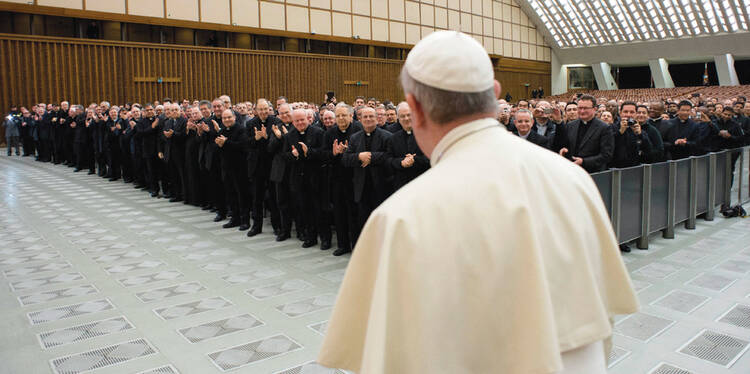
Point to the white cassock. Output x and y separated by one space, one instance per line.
497 260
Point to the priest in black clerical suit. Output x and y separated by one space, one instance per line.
303 151
368 157
405 157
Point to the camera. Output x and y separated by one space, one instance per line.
547 110
631 122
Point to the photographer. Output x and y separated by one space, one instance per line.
631 143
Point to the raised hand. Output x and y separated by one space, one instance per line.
156 123
276 131
365 158
283 128
295 152
216 125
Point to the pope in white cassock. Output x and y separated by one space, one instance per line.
499 259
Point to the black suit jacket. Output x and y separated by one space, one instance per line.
258 158
174 146
275 147
399 144
537 139
304 171
148 136
378 168
596 146
676 129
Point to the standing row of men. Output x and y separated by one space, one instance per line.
637 133
311 170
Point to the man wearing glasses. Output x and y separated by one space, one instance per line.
588 141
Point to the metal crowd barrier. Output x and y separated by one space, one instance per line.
645 199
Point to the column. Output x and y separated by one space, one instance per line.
725 70
660 73
603 75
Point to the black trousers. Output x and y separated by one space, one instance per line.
235 185
152 164
287 213
216 191
45 150
308 205
29 146
176 170
114 166
345 214
80 150
264 193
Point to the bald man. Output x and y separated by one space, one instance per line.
368 157
404 155
233 146
303 151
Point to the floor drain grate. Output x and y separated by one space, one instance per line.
311 368
718 348
714 282
642 326
46 296
63 312
171 291
215 329
681 301
169 369
102 357
669 369
616 355
86 331
193 307
249 353
738 316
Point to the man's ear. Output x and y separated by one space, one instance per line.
498 89
417 112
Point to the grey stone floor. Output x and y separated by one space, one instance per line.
99 276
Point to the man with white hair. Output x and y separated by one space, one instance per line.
303 151
479 265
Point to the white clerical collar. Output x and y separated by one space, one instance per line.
458 133
408 132
368 133
302 133
524 136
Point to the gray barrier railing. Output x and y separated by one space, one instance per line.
645 199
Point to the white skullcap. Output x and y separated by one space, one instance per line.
451 61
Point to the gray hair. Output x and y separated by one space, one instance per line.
347 106
525 111
443 106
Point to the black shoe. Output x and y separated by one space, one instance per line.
112 179
301 236
213 210
325 244
255 231
154 194
220 217
205 207
624 248
283 236
276 232
76 170
244 226
175 199
230 224
91 172
309 243
341 251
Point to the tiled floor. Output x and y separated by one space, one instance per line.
99 276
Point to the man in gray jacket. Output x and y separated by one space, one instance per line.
12 124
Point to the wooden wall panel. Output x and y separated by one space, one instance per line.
45 69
